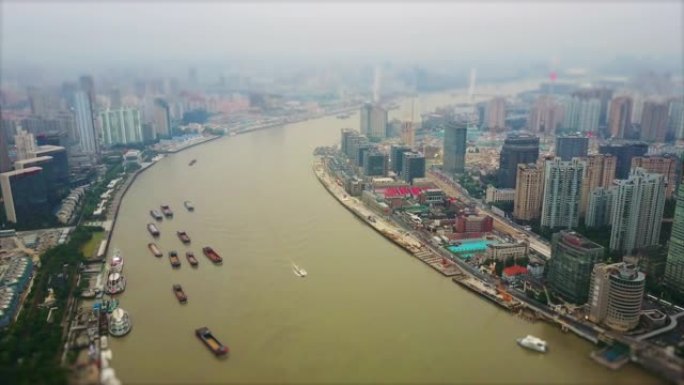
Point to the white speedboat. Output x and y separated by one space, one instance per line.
117 262
533 343
299 272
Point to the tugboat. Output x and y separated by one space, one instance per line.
183 236
173 258
154 249
152 228
166 210
192 162
212 255
116 283
191 258
116 266
216 347
533 343
156 215
188 205
180 294
119 323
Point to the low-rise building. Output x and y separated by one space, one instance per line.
502 251
474 224
493 194
512 273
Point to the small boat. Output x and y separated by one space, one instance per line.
152 228
88 294
180 294
173 258
299 272
216 347
191 258
192 162
154 249
116 283
119 323
188 205
212 255
183 236
117 262
533 343
166 210
156 215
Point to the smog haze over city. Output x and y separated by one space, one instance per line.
227 192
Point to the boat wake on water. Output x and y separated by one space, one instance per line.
298 271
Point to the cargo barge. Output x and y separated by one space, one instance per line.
188 205
212 255
152 228
156 215
154 249
183 236
180 294
191 258
173 258
166 210
216 347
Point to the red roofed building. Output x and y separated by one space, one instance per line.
510 274
474 224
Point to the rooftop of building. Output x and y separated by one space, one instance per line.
577 240
514 270
20 164
28 170
48 148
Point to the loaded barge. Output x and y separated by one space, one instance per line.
212 255
152 228
173 258
156 215
183 236
154 249
180 294
191 258
216 347
166 210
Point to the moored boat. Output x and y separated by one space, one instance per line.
180 294
116 283
212 255
119 323
155 249
216 347
192 162
156 215
191 258
117 263
173 258
166 210
152 228
533 343
183 236
188 205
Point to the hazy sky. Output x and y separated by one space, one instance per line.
66 33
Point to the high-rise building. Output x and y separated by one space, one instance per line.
676 122
666 165
121 126
346 134
455 136
600 173
616 295
546 115
603 94
397 157
161 118
43 103
375 163
637 108
572 261
674 267
495 114
517 149
26 145
529 187
620 117
571 146
373 121
637 211
408 134
354 143
654 121
84 123
599 211
582 114
24 194
5 163
623 152
413 166
562 193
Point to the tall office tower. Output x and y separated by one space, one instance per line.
674 267
517 149
455 136
546 115
122 126
582 114
602 94
667 165
620 117
616 295
84 123
24 194
529 187
623 152
397 156
161 118
5 163
637 211
346 134
373 121
637 108
676 121
562 193
355 142
571 146
600 173
413 166
654 119
408 134
495 114
375 163
599 211
572 261
25 143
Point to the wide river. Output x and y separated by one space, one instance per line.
367 312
